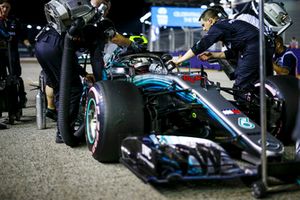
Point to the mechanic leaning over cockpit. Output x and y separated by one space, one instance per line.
49 52
241 40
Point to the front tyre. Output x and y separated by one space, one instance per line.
114 111
259 190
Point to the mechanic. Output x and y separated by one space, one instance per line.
284 62
10 32
95 46
49 51
248 14
95 39
242 42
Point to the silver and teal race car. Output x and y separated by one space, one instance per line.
144 94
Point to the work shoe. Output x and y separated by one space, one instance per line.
3 126
23 101
51 113
58 138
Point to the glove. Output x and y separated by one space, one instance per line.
110 33
107 27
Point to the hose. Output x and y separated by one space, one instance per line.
69 137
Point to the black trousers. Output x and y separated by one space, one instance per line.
49 51
13 73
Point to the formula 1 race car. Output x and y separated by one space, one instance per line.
143 95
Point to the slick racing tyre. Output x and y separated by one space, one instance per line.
114 111
283 87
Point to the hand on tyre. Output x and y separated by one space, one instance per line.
90 78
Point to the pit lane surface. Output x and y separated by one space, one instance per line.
33 166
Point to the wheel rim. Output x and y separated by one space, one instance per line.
91 121
275 127
276 116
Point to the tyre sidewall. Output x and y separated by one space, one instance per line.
120 114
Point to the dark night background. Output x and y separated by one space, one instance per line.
125 14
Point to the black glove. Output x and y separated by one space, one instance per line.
108 28
110 33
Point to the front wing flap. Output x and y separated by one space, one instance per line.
162 159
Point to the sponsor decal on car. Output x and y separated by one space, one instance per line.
191 79
245 123
231 111
270 144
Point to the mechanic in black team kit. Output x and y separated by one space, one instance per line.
241 40
49 52
11 33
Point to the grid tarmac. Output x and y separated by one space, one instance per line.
33 166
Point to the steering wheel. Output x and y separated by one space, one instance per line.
169 64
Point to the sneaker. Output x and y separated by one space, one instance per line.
58 138
52 114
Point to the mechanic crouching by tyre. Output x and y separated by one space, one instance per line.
242 42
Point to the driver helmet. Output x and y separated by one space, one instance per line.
139 39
